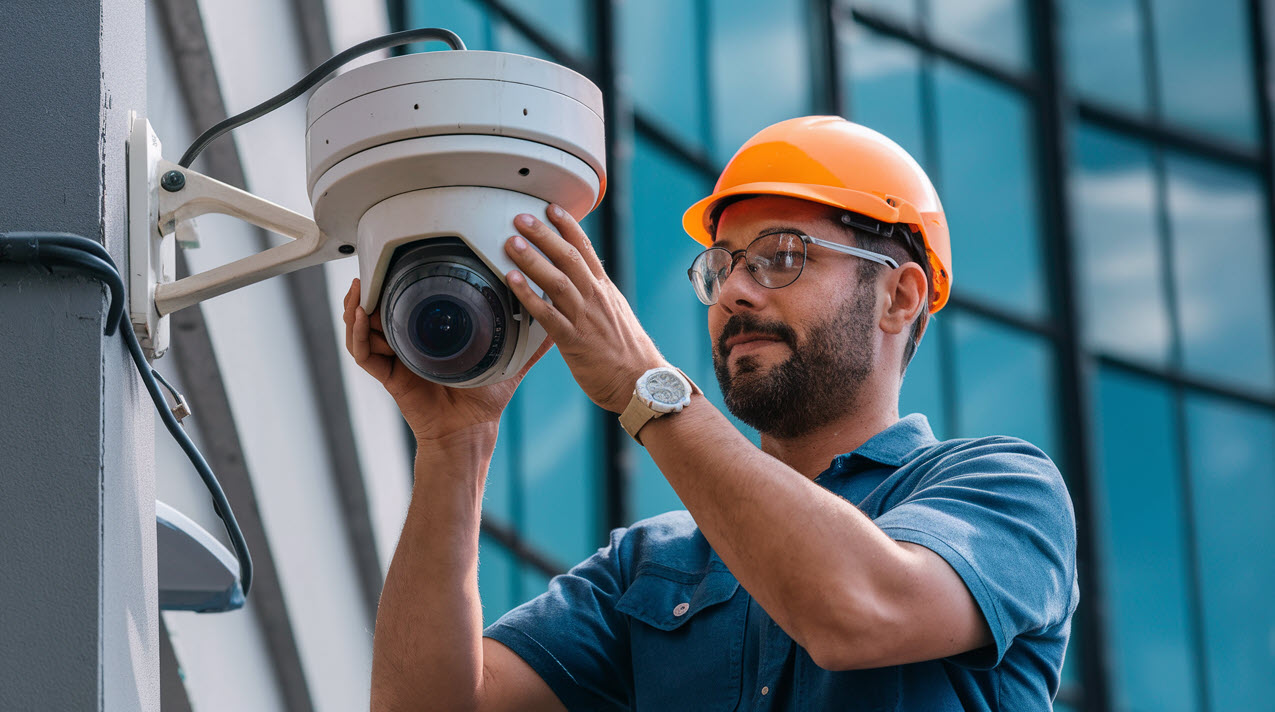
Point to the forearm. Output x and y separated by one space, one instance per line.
427 649
813 561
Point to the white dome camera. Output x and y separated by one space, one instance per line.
423 161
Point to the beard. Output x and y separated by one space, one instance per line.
816 385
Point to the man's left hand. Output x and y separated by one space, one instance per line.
593 325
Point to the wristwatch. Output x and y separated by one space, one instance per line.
658 392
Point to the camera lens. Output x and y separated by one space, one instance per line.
441 327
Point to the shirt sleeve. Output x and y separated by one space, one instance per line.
572 636
998 512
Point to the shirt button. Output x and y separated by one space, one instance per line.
765 691
681 609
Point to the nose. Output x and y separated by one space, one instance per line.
740 292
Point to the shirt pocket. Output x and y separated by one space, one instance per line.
687 638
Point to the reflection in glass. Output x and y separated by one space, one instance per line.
560 462
1221 267
1103 40
1120 263
1004 382
994 29
760 66
662 56
1233 484
1204 63
1139 520
988 188
882 82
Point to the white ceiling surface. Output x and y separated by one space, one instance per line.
256 51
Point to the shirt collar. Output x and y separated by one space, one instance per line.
893 445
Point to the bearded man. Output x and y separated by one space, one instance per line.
852 562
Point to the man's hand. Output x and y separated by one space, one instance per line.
433 411
597 333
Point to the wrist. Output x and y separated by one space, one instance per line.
477 437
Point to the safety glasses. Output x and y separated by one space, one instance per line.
774 259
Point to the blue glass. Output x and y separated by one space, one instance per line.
561 466
992 29
1221 270
531 583
1120 262
987 181
1233 488
761 71
498 586
1004 382
663 60
1103 41
566 22
881 79
500 492
1205 66
464 17
922 390
898 10
1143 546
508 39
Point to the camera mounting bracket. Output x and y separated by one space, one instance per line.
163 201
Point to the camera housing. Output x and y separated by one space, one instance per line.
422 162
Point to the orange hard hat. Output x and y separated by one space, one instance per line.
829 160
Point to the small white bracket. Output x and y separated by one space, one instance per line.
164 200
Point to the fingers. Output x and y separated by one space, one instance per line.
557 325
574 235
376 360
559 288
561 252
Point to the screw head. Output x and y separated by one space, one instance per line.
173 181
346 249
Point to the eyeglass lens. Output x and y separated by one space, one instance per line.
774 260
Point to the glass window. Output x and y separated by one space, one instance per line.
497 582
566 22
897 10
987 183
922 390
881 80
1139 520
1233 486
508 39
663 60
1004 382
760 67
464 17
560 462
500 494
1221 264
1205 63
1120 263
532 582
995 29
1103 42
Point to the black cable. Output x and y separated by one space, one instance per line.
66 250
315 76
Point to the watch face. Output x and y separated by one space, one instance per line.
665 387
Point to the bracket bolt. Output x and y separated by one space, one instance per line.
173 181
346 249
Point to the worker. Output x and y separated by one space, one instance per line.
851 562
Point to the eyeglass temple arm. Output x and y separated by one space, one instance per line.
856 251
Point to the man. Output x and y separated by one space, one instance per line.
852 562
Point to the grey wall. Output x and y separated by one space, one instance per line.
80 616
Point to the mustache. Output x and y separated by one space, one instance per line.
747 323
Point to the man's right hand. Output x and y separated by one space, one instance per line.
434 412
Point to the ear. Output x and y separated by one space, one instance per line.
905 297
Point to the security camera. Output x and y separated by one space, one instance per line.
422 162
418 164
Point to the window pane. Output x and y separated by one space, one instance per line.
1221 264
882 83
1233 484
922 390
662 58
995 29
760 67
497 584
499 493
508 39
1104 51
988 187
662 296
1004 382
897 10
532 582
464 17
1120 262
563 21
560 462
1139 520
1205 66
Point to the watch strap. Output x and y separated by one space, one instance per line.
637 414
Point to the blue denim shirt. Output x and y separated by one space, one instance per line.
655 620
